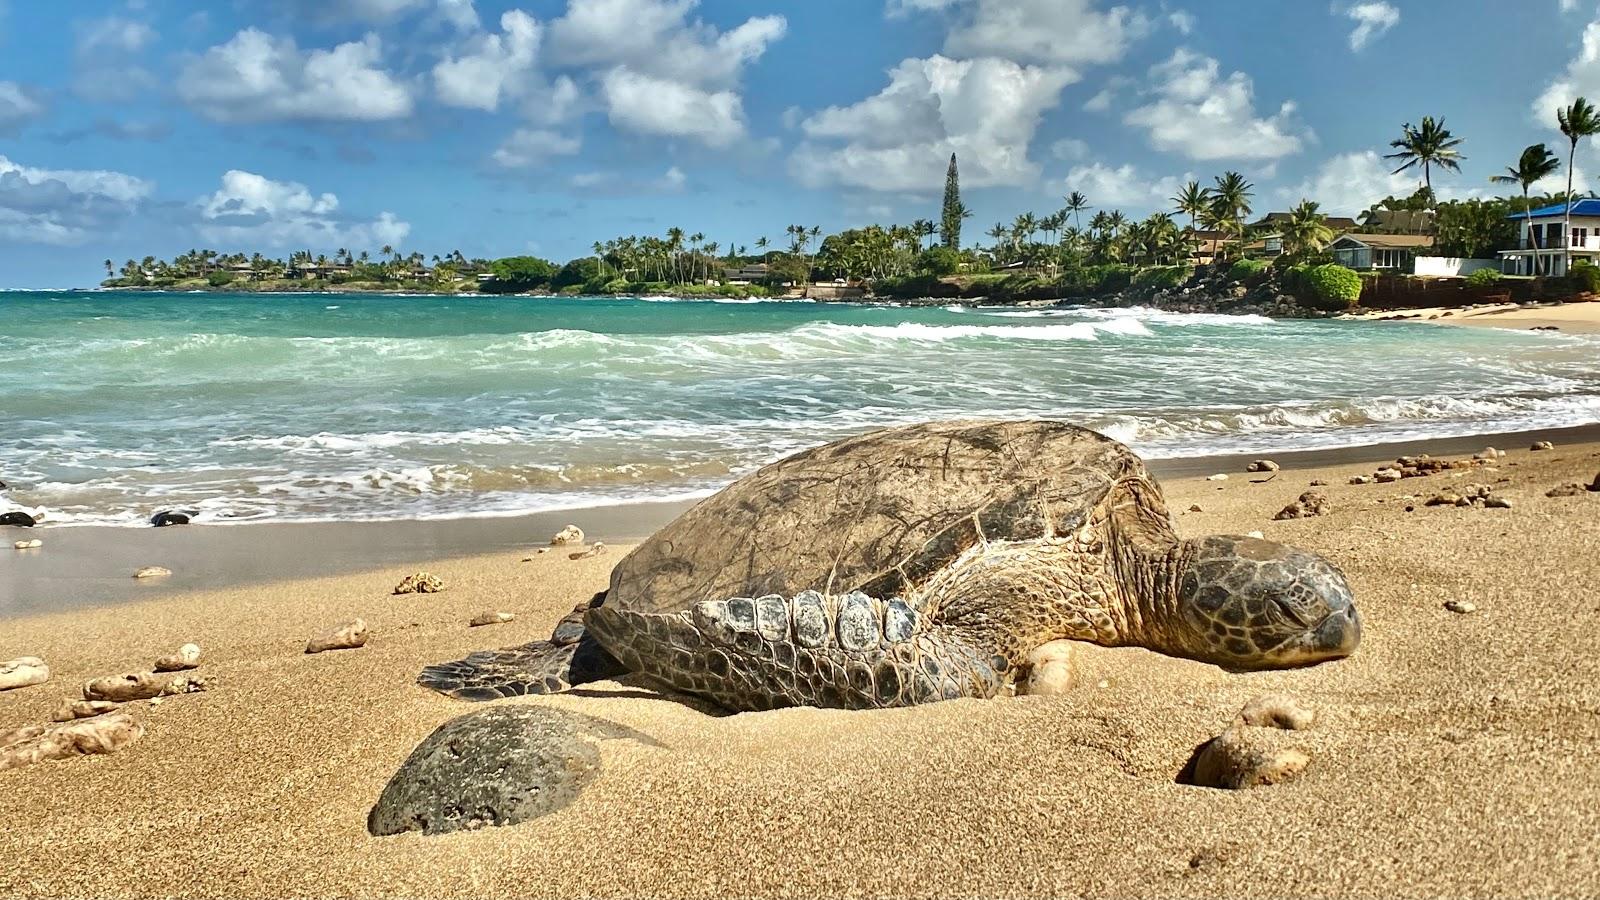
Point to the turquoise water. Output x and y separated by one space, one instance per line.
114 406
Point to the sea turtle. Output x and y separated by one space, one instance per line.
923 563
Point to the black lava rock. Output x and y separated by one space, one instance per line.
18 519
163 519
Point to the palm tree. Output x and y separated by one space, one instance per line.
761 246
1431 145
1191 202
1230 200
111 269
1307 230
1535 164
1076 204
1578 121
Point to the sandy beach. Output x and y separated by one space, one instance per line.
1453 754
1573 318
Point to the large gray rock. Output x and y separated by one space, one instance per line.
501 766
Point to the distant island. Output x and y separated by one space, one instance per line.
1298 261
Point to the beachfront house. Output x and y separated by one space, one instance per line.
757 273
1268 242
1389 252
1541 249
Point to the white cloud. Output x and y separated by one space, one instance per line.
251 210
1569 5
105 59
1349 183
20 106
671 182
1110 187
529 147
1198 114
657 38
1054 32
64 206
1372 20
651 105
494 65
984 110
255 77
1069 149
356 10
1183 20
1581 79
898 8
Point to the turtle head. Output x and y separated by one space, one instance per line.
1246 604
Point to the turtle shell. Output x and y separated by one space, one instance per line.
878 512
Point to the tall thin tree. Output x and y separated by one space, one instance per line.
1578 121
950 222
1535 164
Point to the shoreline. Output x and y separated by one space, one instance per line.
88 566
1568 317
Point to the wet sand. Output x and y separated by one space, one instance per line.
1454 755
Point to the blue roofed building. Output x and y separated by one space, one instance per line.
1544 249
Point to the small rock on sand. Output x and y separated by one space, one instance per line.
152 572
571 534
18 520
491 618
168 518
187 657
1489 454
72 710
1263 465
1277 711
598 549
1387 476
1196 508
1245 757
346 637
1310 505
1260 536
1362 479
28 545
1220 476
1048 671
23 672
1570 489
38 743
1461 607
141 686
420 583
1542 445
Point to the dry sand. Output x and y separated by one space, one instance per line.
1455 755
1573 318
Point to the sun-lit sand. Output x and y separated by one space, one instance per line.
1452 755
1574 318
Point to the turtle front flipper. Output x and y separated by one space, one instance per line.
850 652
541 667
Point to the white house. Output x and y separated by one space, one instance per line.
1542 250
1379 251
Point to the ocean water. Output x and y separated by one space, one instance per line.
314 407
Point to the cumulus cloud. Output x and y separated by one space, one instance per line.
1349 183
64 206
1195 112
1372 20
20 106
1052 32
651 105
256 78
530 147
252 210
1122 186
105 57
1069 149
984 110
1581 79
375 11
493 65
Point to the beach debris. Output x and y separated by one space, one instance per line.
18 519
1244 757
1461 607
1479 495
1319 483
420 583
28 545
1489 454
1220 476
1048 671
168 518
22 672
1195 508
348 636
1310 505
1362 479
598 548
152 572
187 657
571 534
1497 502
1257 535
1387 476
491 617
1277 711
71 710
1263 465
38 743
1542 445
501 766
142 686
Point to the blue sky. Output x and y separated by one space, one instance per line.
154 126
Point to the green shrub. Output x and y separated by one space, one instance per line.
939 261
1584 278
1163 276
218 279
1332 286
1247 270
1484 278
